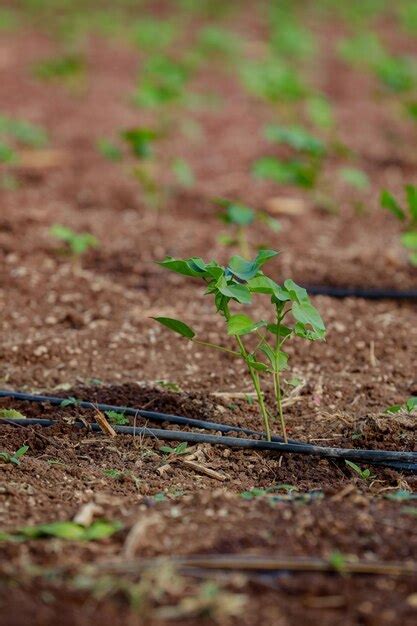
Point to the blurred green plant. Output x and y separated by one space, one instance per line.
407 215
240 218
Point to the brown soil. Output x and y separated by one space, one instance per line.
85 331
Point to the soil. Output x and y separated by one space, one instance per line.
84 330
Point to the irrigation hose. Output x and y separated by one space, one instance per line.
255 563
404 461
358 292
153 416
400 461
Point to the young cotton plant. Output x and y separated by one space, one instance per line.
235 285
239 218
406 215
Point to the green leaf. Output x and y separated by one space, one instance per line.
116 417
354 177
389 202
411 191
305 313
296 137
235 212
21 452
320 111
140 140
183 172
245 270
263 284
101 529
177 326
409 240
11 414
278 360
238 292
188 267
284 331
241 324
294 172
411 404
297 293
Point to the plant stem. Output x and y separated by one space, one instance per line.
256 383
277 382
243 242
213 345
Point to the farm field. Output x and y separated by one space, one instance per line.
208 210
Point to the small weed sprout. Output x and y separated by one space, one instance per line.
239 218
11 414
236 284
69 69
364 474
410 406
180 449
407 215
76 244
117 418
15 457
109 149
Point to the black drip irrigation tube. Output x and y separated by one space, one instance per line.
367 293
400 461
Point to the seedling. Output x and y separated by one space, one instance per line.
99 529
290 39
23 133
396 73
364 474
11 414
141 142
15 134
303 170
235 285
113 473
153 35
76 244
319 110
69 68
71 401
355 178
170 386
410 406
180 449
162 82
407 215
109 150
15 457
239 218
183 173
272 80
214 41
117 418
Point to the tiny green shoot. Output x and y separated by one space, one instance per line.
117 418
239 218
180 449
407 215
364 474
76 244
11 414
14 457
